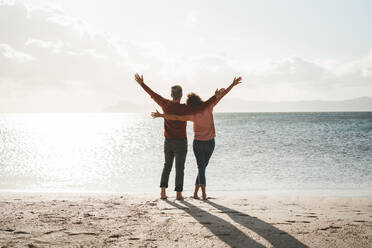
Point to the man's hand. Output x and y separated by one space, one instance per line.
237 81
156 114
138 78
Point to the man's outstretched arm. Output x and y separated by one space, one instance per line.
161 101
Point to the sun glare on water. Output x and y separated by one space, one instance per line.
67 149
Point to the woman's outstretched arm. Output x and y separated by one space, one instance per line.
220 93
171 117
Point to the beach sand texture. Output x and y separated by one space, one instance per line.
143 220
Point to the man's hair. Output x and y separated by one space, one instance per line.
193 99
176 92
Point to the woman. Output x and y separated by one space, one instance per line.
204 132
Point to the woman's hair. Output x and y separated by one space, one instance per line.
193 99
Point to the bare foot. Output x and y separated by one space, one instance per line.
179 196
163 194
196 197
204 197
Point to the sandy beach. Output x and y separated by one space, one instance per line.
143 220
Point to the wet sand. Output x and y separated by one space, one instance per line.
143 220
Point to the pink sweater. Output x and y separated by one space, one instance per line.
204 124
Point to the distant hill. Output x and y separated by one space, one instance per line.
239 105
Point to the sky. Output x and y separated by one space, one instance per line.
82 55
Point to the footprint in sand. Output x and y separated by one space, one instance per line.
294 221
330 227
133 239
151 203
53 231
168 208
21 232
81 233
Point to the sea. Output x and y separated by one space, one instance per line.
278 153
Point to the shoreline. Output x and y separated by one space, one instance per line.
143 220
342 193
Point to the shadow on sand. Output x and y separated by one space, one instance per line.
231 235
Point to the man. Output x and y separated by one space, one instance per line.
175 143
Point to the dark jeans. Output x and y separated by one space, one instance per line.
203 151
174 148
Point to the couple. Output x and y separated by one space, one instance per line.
175 116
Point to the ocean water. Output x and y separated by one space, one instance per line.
319 153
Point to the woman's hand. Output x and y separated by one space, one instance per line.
156 114
237 81
219 92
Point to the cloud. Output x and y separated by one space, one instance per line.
290 70
50 60
8 53
43 49
355 72
302 73
192 19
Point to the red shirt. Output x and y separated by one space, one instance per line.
175 129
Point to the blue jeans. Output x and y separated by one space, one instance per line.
203 151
